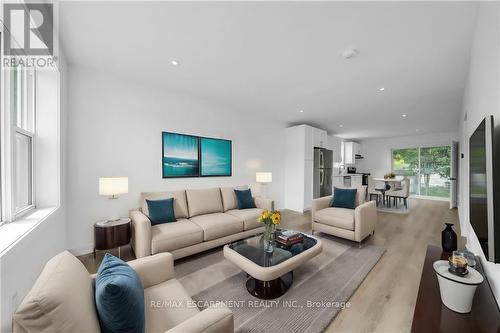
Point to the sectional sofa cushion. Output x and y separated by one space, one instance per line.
217 225
249 217
168 305
229 197
336 217
180 202
175 235
204 201
245 199
47 307
161 211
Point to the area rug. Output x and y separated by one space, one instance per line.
399 209
321 288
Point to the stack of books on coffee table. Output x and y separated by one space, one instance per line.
288 237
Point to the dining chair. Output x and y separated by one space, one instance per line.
403 193
372 191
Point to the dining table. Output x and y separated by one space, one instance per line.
389 183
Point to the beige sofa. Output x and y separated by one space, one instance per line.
62 300
206 219
353 224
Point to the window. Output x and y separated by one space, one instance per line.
428 169
22 97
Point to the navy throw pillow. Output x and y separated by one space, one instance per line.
119 297
161 211
244 199
344 198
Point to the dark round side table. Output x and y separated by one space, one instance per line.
111 234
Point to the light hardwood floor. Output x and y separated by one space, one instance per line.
385 300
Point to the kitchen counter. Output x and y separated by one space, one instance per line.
348 174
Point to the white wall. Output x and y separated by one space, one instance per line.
481 99
23 261
377 152
115 129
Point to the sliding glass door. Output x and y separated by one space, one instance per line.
427 167
405 162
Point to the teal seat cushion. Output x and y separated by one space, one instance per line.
161 211
119 297
344 198
244 199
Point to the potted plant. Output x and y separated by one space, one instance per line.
270 219
390 175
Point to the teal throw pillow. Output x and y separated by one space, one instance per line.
119 297
344 198
244 199
161 211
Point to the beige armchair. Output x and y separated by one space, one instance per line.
62 300
353 224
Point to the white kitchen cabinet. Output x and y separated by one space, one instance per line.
351 149
357 148
356 181
320 138
338 181
299 163
335 144
308 183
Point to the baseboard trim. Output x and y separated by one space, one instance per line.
89 248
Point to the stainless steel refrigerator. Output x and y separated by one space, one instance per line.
322 173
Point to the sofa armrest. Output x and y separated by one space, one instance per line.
141 234
365 218
211 320
264 203
152 270
155 269
319 204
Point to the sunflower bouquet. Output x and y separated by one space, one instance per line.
270 219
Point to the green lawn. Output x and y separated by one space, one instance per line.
435 191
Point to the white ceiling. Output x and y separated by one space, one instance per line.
277 58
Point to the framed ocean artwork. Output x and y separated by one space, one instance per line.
215 157
181 156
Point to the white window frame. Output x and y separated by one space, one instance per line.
8 132
19 211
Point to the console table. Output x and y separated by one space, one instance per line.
431 315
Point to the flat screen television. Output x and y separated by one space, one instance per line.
481 167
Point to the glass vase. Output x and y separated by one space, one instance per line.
268 238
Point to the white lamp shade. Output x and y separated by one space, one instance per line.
113 185
264 177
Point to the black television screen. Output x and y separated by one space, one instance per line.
481 186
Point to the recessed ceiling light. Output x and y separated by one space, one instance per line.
301 111
417 130
349 53
174 62
403 115
381 89
341 125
